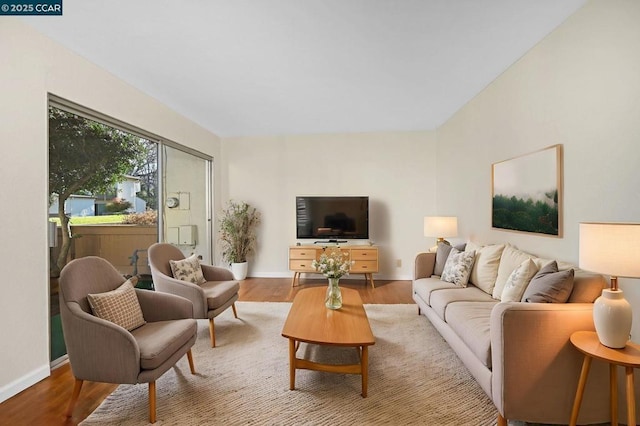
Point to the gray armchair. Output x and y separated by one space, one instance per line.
102 351
209 299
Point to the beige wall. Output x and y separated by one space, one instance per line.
579 87
396 171
32 66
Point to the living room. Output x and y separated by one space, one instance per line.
579 87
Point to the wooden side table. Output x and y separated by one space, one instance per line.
629 357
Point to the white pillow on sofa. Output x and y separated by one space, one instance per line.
518 281
485 267
510 260
458 267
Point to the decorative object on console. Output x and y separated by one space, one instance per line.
441 227
527 192
238 236
612 249
333 265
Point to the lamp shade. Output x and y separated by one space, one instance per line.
441 226
610 248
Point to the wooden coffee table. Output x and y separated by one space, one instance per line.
310 321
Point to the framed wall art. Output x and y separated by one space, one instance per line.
527 193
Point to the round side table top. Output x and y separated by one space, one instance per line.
587 342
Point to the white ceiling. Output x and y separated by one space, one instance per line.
267 67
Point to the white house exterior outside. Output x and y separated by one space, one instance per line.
85 205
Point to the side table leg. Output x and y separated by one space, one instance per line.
586 365
292 364
631 399
613 394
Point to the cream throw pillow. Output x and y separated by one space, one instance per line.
120 306
518 281
510 260
458 267
188 269
485 267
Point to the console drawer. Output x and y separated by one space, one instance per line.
301 265
364 254
365 266
302 253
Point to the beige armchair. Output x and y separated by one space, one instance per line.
102 351
219 292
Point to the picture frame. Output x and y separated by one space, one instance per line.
526 193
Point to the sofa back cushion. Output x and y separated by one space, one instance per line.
510 260
485 267
587 287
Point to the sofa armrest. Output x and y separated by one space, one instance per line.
424 265
216 273
158 306
535 365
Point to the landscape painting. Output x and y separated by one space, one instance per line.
527 193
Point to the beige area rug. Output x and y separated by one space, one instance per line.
414 378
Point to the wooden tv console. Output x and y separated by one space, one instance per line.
365 260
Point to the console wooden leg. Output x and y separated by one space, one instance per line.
74 396
293 281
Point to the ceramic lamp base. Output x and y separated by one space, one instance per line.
612 318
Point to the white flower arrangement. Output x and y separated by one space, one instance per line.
333 265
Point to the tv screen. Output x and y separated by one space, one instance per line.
332 217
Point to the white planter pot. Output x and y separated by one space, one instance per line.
239 270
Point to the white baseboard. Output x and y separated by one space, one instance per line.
24 382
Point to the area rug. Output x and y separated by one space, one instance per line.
414 378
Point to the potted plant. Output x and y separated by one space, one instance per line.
238 236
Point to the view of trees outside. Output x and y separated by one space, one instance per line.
90 158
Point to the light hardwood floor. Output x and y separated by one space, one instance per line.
45 402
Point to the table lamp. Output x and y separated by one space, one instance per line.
441 227
612 249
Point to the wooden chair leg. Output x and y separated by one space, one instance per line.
190 359
74 396
152 402
501 420
212 333
235 313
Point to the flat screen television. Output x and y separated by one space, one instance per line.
332 217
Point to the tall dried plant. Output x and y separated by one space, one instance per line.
238 231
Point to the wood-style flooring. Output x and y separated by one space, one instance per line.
45 402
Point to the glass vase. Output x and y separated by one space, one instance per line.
333 299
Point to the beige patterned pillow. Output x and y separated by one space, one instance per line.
120 306
458 267
188 269
518 281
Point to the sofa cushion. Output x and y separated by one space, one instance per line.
485 267
119 306
470 321
219 292
424 287
518 281
442 254
440 299
154 350
510 260
549 285
458 267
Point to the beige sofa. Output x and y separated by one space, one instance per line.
518 352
